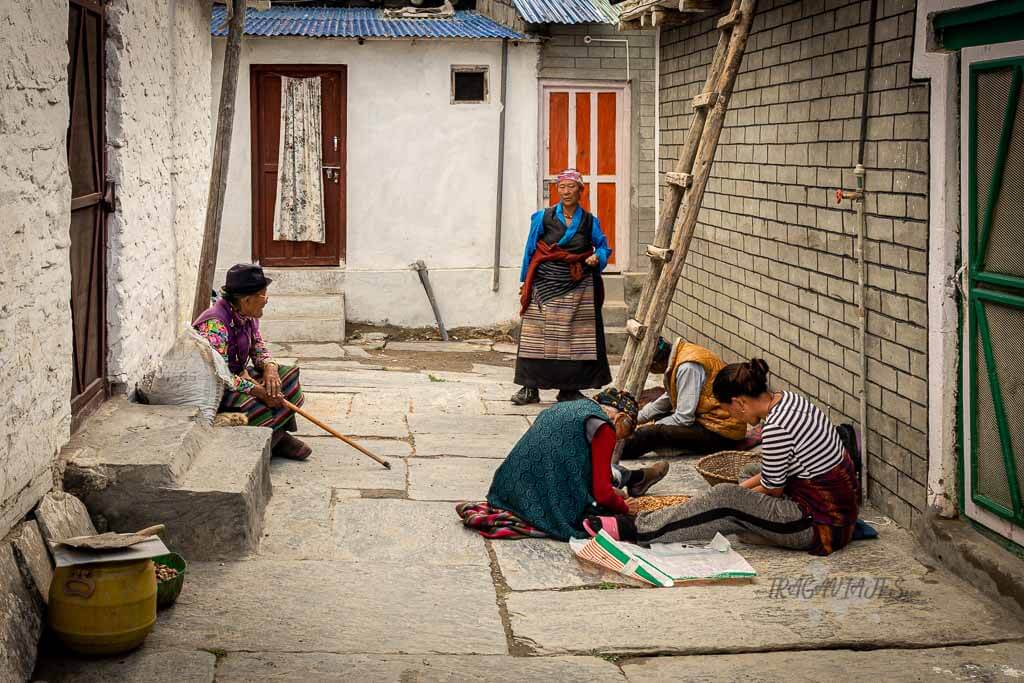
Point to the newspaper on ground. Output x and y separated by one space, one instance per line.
665 564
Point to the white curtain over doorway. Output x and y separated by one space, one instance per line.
299 216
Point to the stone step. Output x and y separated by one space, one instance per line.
127 466
303 330
217 509
615 339
306 281
129 444
614 287
290 307
614 314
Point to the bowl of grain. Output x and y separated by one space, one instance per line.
170 577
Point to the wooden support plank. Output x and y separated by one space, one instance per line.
705 100
635 329
221 154
728 21
656 253
699 6
683 180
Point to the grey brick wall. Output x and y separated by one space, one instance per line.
771 271
564 55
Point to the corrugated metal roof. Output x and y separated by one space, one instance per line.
359 22
567 11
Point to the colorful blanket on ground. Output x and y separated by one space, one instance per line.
492 522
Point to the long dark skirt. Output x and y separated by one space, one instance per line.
561 343
259 413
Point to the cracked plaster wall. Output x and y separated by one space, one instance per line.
158 114
35 276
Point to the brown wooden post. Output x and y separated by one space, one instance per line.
221 155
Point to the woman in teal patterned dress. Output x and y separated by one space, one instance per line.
560 471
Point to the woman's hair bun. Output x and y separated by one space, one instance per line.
759 368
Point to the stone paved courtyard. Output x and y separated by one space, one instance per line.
366 574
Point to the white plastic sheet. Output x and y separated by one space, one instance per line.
191 373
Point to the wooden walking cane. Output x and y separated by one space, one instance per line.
291 406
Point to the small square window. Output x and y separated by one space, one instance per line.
469 84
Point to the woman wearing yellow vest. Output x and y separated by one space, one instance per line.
687 416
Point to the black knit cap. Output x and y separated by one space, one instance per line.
245 278
622 401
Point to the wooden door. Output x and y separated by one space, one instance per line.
91 199
265 87
584 129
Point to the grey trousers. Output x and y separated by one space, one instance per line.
728 509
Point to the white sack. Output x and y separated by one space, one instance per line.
191 373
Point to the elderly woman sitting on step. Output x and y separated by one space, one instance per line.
806 495
561 470
232 327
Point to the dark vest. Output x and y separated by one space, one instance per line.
555 229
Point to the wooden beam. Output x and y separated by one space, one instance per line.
705 100
699 6
658 254
683 180
221 155
635 329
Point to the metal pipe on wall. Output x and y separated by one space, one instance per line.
860 173
496 275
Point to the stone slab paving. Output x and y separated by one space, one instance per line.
540 564
367 573
342 607
330 408
459 425
329 668
744 618
1003 662
466 445
145 664
436 347
397 531
506 407
451 479
334 464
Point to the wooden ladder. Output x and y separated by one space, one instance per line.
686 187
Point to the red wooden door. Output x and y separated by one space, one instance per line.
583 130
265 87
90 204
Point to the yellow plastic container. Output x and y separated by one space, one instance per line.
103 609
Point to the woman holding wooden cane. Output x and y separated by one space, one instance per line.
259 390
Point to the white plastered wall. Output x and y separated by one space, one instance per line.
158 141
421 173
35 274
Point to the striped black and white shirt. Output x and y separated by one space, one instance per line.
798 440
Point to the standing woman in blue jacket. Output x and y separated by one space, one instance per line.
561 342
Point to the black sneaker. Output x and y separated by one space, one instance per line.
526 395
569 395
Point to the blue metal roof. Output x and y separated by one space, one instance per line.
567 11
359 22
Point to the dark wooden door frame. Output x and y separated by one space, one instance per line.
85 399
255 70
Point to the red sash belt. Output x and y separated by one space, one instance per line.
544 253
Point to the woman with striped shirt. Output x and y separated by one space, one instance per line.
805 497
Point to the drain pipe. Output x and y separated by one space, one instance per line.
858 197
496 275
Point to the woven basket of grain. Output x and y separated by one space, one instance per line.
725 467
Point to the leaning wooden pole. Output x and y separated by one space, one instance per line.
677 183
221 155
702 145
